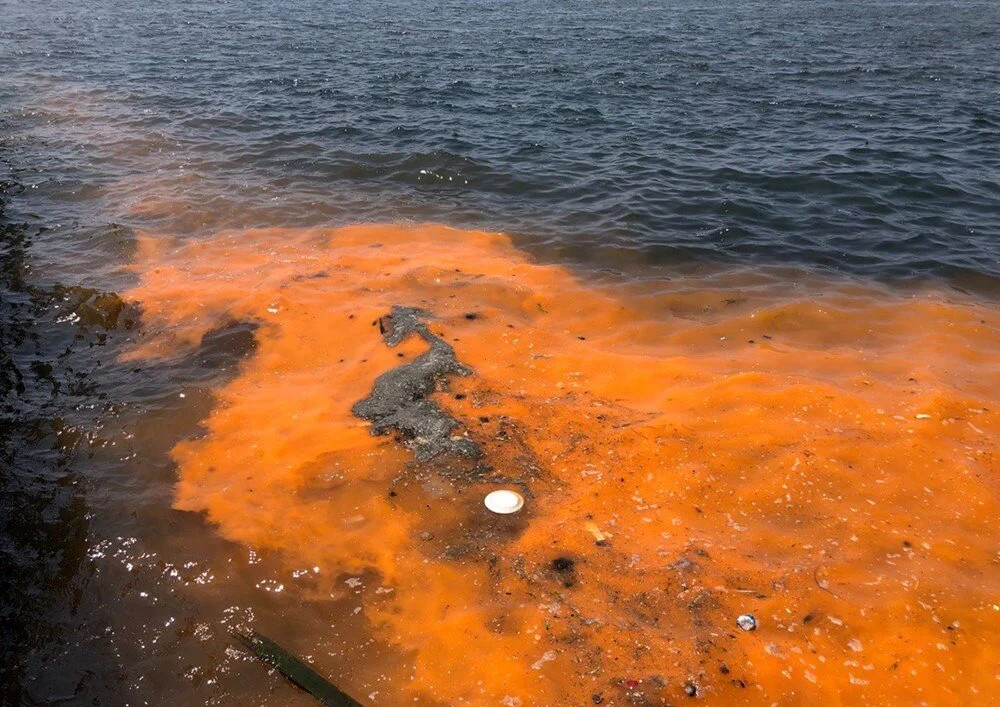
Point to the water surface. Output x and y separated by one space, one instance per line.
726 275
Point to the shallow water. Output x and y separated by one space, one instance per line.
725 278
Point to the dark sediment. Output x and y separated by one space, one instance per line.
400 399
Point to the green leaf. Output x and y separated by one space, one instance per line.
295 670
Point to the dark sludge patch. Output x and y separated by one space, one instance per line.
400 399
562 564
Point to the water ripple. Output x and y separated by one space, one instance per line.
851 137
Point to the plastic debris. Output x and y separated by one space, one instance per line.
504 501
599 537
746 622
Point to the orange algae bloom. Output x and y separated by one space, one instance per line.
821 455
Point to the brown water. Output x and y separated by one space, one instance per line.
818 453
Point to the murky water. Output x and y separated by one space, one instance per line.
723 280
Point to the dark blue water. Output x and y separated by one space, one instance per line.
860 136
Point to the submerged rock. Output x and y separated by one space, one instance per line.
95 308
400 399
228 344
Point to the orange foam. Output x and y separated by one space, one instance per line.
820 454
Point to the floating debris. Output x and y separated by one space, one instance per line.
599 537
504 501
746 622
295 670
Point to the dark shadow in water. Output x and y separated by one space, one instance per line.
49 650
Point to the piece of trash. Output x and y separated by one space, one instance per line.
746 622
599 537
297 672
504 501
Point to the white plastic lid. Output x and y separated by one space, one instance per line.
504 501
